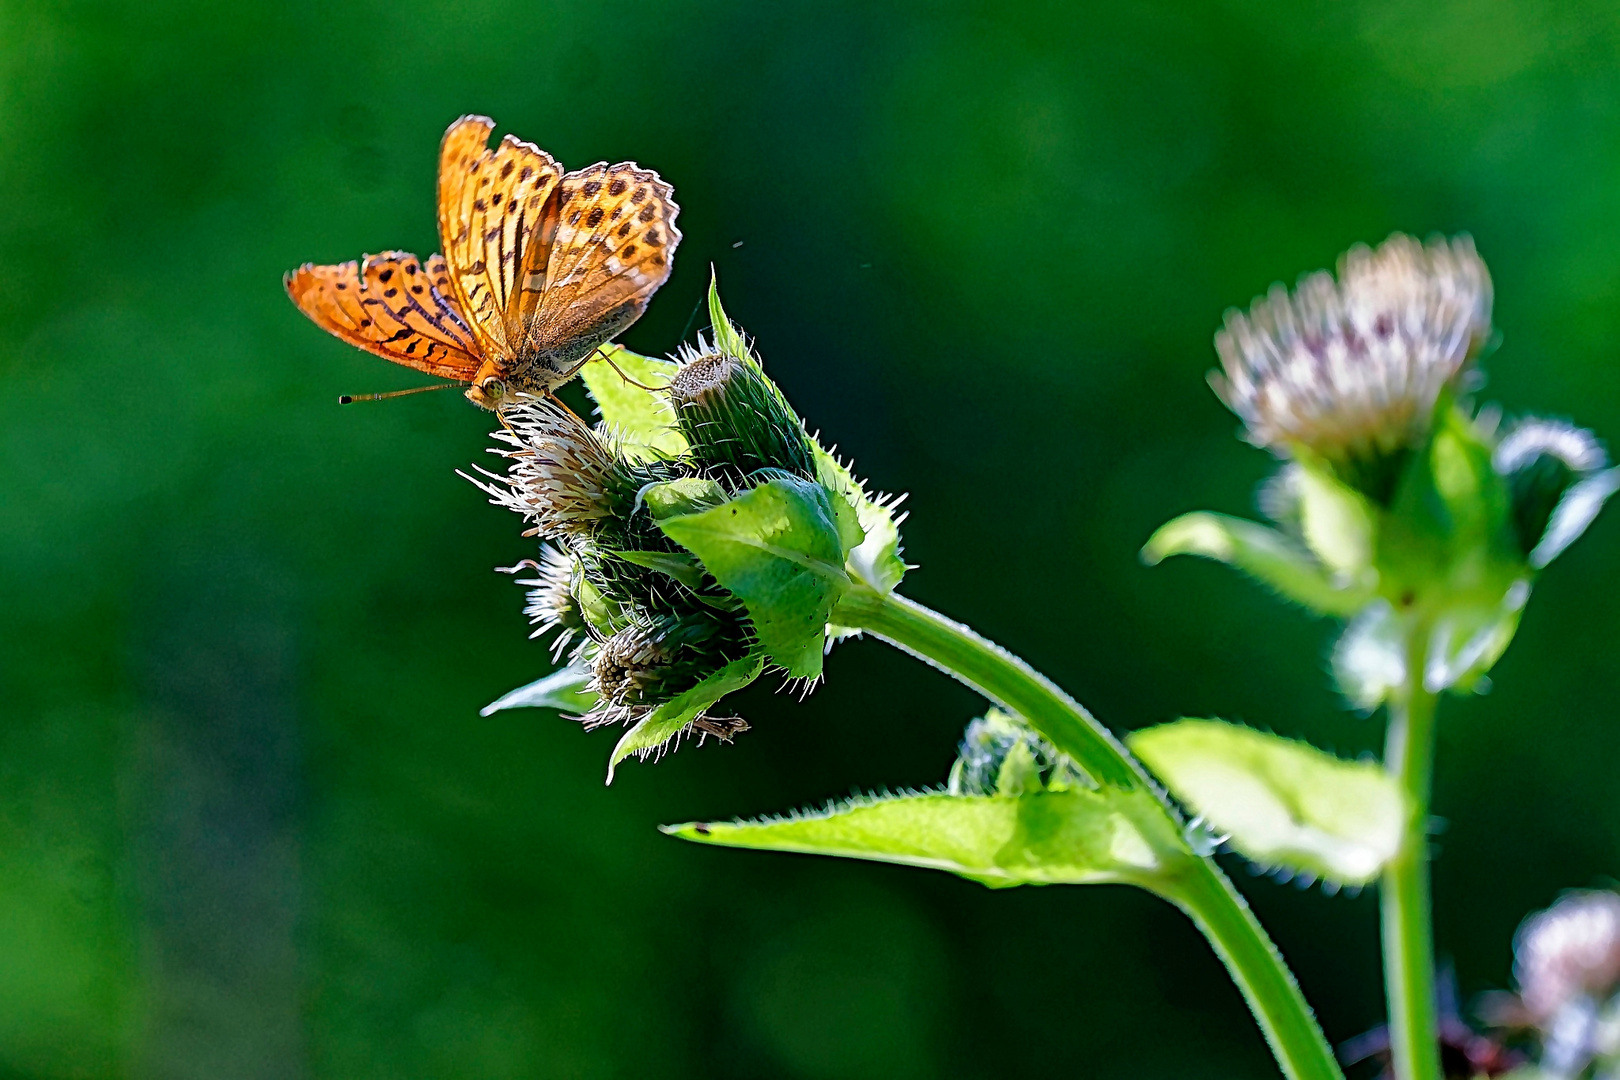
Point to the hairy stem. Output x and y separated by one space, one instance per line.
1201 890
1408 934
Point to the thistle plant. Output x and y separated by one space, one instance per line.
699 537
1403 509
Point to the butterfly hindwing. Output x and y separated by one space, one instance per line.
613 246
490 206
393 305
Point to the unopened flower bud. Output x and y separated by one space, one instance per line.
1349 371
1542 460
734 418
1002 755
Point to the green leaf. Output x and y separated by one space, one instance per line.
672 717
564 689
1263 553
868 529
688 495
727 338
1047 837
678 565
1282 802
776 548
643 420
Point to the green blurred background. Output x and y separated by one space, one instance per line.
251 824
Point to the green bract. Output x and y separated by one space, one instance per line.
868 527
668 720
1280 802
564 689
777 549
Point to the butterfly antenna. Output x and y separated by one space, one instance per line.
606 356
349 399
692 318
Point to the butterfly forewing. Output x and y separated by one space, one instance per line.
613 246
538 269
490 203
394 305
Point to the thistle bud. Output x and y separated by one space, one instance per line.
1349 372
1544 461
734 418
1002 755
650 661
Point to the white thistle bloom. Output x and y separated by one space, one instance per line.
1352 369
1569 952
551 603
562 475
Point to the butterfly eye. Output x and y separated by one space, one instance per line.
493 388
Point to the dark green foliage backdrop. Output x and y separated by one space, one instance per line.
250 822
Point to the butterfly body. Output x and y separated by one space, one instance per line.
540 268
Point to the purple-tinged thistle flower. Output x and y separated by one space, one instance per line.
1568 952
1349 371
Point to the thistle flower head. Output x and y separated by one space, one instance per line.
1568 952
701 537
701 377
551 604
563 476
1350 370
650 661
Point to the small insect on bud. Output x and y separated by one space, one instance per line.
734 418
1568 953
1350 371
1542 461
564 477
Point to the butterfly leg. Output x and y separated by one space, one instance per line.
601 351
563 405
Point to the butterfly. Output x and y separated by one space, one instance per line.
540 268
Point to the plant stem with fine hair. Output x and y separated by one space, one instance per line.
1201 889
1408 932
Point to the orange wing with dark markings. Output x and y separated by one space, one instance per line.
613 247
393 305
491 206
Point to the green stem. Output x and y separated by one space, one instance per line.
1220 912
1408 933
1201 890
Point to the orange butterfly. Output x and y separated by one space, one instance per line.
539 269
